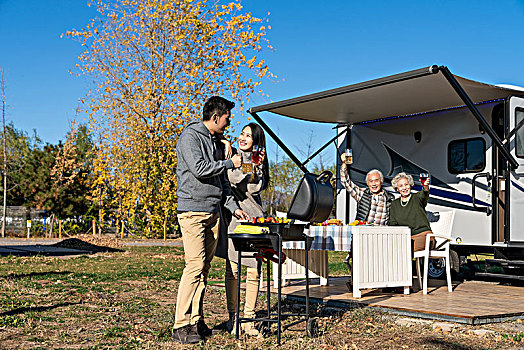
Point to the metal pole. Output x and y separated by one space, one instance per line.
237 316
279 304
327 144
279 142
268 296
467 101
347 203
307 279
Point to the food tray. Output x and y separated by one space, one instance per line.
288 231
248 242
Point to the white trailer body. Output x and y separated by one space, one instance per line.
450 145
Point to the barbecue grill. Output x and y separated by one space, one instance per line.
312 202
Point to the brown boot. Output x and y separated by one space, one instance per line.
231 323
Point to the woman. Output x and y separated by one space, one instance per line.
246 188
410 209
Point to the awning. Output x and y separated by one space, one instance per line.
417 91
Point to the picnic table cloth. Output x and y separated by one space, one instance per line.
333 237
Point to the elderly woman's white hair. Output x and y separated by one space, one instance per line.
400 176
375 171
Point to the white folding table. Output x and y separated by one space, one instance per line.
381 255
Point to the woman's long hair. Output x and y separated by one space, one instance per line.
259 139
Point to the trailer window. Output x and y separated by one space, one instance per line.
519 145
466 156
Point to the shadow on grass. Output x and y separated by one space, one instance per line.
23 310
445 344
16 276
70 246
75 243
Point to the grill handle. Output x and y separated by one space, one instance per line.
325 176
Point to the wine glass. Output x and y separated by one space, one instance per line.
423 178
256 153
348 156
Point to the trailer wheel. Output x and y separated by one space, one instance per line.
437 267
312 328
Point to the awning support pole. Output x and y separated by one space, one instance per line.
476 113
279 142
513 132
324 147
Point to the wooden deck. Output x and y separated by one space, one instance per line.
471 302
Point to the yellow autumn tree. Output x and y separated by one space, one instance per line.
154 63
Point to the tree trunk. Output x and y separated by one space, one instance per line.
272 203
52 222
165 227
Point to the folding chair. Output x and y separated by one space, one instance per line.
442 233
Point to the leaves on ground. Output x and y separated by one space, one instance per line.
127 299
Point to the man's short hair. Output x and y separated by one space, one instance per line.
216 104
375 171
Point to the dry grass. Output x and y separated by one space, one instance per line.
126 300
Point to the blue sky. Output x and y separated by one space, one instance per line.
318 46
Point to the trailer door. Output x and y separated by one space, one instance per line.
516 176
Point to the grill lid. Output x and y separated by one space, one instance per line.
314 198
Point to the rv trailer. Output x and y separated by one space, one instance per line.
468 135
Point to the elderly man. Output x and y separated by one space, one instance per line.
373 203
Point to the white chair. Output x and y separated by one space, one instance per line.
442 233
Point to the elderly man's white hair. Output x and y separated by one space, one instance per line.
375 171
400 176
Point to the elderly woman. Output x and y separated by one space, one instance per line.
410 209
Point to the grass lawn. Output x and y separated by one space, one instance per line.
126 300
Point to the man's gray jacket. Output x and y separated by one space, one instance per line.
201 180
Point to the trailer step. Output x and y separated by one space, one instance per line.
499 276
505 262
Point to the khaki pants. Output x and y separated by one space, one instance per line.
419 241
199 236
252 284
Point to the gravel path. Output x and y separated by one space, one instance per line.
125 242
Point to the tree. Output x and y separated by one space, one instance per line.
71 173
155 62
19 146
4 153
284 179
35 184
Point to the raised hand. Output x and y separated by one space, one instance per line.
237 160
228 150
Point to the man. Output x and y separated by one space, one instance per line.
201 185
373 203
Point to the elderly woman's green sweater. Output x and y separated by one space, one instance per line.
412 213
